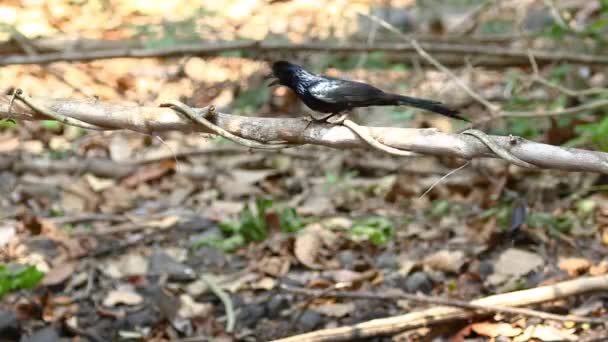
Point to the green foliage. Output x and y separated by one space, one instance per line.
596 133
19 278
291 222
7 124
251 99
251 225
550 222
378 230
376 60
499 26
51 125
172 33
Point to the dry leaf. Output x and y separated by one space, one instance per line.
514 263
495 329
150 172
189 308
445 260
58 274
336 309
574 266
123 296
546 333
308 246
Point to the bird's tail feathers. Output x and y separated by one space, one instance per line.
433 106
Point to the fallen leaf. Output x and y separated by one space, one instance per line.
307 246
574 266
123 296
120 149
98 184
445 260
189 308
546 333
274 266
9 144
266 283
7 233
514 263
495 329
599 269
126 265
164 223
336 309
150 172
58 274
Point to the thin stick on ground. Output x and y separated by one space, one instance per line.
226 301
436 315
419 298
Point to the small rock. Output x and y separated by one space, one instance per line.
347 259
309 320
275 305
418 281
250 314
10 328
162 263
48 334
387 261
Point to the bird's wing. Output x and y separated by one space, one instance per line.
336 91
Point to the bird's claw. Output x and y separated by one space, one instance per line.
337 120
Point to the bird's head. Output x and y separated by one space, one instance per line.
286 73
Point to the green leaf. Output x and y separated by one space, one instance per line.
291 222
377 230
51 124
23 277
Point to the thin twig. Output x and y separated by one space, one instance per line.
364 134
54 115
225 298
536 77
191 114
493 109
444 177
499 150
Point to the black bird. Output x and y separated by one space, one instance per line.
333 95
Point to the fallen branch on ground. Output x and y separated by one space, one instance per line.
419 298
396 324
149 120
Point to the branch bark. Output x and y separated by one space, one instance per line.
439 50
148 120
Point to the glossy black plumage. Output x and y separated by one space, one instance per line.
332 95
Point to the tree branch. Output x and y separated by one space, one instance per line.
295 131
438 49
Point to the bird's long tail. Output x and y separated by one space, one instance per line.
433 106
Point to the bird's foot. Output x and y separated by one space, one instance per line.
337 120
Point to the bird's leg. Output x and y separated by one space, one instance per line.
337 119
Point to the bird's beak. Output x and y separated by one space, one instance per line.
274 82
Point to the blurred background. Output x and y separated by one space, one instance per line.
105 214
